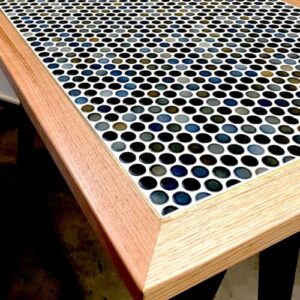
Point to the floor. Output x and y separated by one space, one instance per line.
33 277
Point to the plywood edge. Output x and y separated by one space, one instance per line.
112 203
216 234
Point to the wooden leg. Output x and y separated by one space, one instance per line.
277 268
34 225
205 290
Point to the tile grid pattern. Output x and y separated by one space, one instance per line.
192 97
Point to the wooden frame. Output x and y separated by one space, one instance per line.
158 258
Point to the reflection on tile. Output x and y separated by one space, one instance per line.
192 97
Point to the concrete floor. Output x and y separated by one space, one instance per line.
240 283
33 279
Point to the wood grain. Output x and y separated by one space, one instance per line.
293 2
158 258
209 237
110 200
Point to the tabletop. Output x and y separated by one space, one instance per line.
175 123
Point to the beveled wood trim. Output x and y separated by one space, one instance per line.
158 258
207 238
109 198
293 2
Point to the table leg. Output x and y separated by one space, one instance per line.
277 268
205 290
35 229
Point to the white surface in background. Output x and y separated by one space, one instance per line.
7 94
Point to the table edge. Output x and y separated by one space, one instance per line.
126 225
223 231
144 249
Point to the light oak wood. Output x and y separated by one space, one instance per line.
293 2
216 234
110 200
158 258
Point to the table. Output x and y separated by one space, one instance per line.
203 94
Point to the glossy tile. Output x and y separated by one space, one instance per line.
192 97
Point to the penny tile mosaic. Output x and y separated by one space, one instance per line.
192 97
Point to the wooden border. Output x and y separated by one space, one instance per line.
292 2
208 238
157 258
109 199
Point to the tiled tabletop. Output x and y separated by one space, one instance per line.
192 97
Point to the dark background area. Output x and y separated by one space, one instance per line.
47 250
